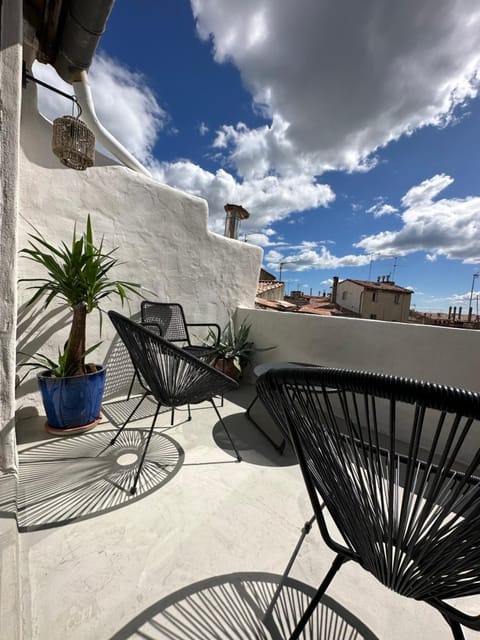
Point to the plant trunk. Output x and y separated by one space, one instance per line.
76 341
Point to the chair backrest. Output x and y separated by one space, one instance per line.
169 317
173 376
408 512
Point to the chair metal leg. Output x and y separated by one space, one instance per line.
133 489
337 563
131 385
128 419
239 458
279 447
305 531
456 628
172 417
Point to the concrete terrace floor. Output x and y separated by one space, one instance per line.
198 552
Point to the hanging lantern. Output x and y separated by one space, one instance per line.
73 142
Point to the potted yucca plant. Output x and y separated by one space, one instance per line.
79 276
235 349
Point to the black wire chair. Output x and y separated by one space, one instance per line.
396 463
169 374
170 319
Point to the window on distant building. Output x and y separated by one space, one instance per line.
397 298
375 296
373 316
344 295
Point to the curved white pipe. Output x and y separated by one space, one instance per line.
84 96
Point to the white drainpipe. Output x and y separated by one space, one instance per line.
104 137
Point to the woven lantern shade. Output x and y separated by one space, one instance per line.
73 143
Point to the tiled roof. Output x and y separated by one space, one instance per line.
322 306
277 305
268 285
384 286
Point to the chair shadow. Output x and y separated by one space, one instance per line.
235 606
253 446
8 495
117 411
69 479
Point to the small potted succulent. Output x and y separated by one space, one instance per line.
79 276
235 349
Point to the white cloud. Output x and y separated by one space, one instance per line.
307 259
446 227
263 240
380 209
267 199
339 80
427 190
123 102
203 129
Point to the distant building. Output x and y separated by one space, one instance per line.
453 318
266 275
272 290
380 300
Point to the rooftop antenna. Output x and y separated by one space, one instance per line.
394 268
372 256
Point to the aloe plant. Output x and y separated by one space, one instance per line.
77 275
235 345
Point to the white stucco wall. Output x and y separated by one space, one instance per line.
161 233
10 95
438 354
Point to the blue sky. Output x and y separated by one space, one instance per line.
350 131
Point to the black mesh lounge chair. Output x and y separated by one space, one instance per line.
171 321
408 513
169 374
168 319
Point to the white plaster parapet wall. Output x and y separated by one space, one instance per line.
10 96
437 354
161 233
10 100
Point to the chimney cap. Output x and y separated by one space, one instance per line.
238 210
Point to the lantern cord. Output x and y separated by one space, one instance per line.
28 76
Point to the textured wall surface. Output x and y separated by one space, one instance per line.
161 234
10 96
438 354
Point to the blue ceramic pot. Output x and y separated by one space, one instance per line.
72 402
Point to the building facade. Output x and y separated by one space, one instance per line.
381 300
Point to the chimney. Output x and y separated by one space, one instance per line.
454 313
334 289
459 313
378 279
387 278
449 312
235 213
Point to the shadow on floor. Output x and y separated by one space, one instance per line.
117 411
234 605
253 446
69 479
